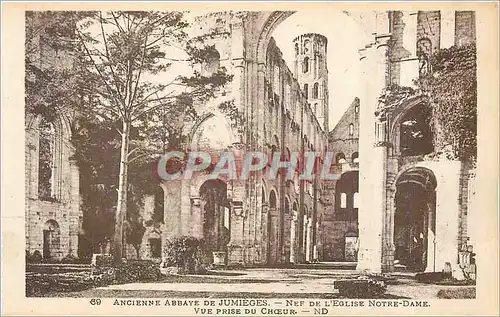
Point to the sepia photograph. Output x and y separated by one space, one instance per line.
228 161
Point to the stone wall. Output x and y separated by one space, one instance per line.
465 27
285 123
62 210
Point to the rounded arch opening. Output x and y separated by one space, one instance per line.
340 158
415 218
346 189
416 136
316 91
216 215
272 199
211 133
51 240
355 157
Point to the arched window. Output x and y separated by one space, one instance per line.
305 65
307 46
340 158
343 200
351 129
212 64
272 199
306 90
316 90
356 109
355 157
315 110
416 136
296 48
46 160
355 200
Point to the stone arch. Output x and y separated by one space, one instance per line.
273 198
396 118
212 64
51 239
287 205
355 157
340 158
316 91
60 152
205 117
305 65
413 228
271 21
215 215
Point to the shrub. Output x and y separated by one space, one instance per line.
36 257
429 277
457 293
71 259
186 253
135 271
360 288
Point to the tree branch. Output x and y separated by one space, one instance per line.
110 91
108 57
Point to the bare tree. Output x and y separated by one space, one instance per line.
126 53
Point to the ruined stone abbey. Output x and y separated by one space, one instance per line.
394 204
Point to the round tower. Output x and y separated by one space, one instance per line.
312 73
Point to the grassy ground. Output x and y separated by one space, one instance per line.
401 287
457 293
110 293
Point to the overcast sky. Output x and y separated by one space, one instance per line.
345 37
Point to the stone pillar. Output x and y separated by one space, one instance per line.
431 241
261 105
308 239
293 224
236 247
196 217
373 164
172 208
447 213
389 249
273 236
264 234
75 213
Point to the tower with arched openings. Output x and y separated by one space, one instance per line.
311 71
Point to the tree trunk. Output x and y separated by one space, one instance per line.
121 206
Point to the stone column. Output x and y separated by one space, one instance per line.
264 234
235 247
447 213
388 248
431 240
308 239
293 224
304 238
172 208
373 163
239 81
273 236
75 213
261 104
196 217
